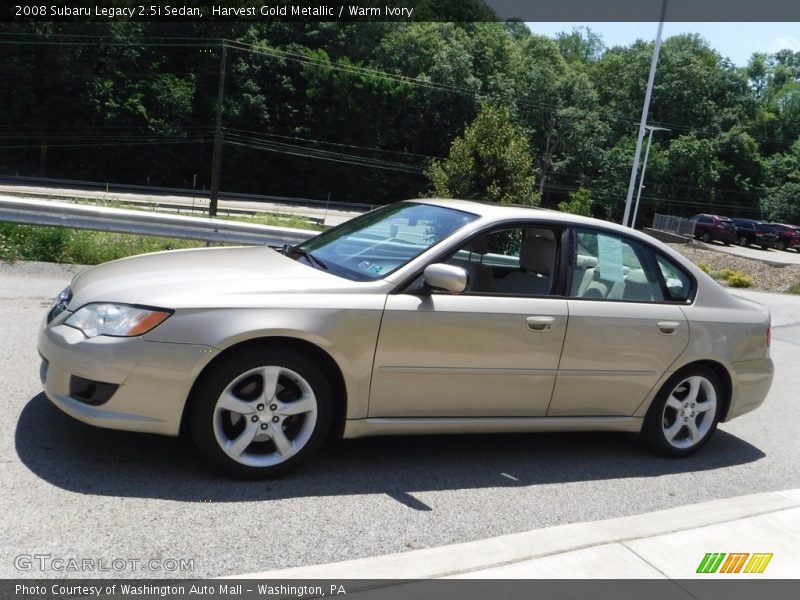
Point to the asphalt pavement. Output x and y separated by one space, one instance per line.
317 211
780 257
72 491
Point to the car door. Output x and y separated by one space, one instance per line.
622 333
490 351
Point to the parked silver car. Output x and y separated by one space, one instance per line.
426 316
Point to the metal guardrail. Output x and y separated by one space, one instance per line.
677 225
123 187
77 216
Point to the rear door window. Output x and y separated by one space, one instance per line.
606 266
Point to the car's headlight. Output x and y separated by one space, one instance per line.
59 304
118 320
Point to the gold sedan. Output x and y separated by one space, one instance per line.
426 316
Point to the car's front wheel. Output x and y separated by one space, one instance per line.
261 412
780 246
743 242
706 237
684 414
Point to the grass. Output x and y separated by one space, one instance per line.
259 218
80 246
62 245
795 289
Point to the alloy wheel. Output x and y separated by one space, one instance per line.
689 411
264 416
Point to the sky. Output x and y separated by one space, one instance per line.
736 41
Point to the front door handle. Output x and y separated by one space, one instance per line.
668 327
540 323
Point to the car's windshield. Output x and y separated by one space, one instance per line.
377 243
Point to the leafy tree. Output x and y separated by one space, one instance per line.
581 45
693 170
490 162
580 203
782 204
740 171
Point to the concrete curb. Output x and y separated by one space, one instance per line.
488 558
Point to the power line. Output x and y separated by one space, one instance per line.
332 157
290 137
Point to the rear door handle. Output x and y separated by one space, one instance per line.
540 323
668 327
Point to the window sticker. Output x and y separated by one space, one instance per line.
609 254
364 264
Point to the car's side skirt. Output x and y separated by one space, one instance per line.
355 428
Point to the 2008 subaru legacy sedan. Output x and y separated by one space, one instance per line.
426 316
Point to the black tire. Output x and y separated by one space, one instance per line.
297 378
662 419
744 242
706 237
780 246
765 247
726 242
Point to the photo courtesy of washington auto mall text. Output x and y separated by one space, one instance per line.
242 590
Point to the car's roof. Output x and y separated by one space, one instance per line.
510 212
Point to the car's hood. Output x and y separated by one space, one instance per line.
203 277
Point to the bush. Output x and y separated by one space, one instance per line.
736 279
730 277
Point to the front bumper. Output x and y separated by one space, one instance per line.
153 378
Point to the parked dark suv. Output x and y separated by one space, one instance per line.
788 237
750 232
714 228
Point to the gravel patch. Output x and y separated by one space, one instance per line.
767 277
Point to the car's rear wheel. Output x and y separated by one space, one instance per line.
260 413
743 241
706 237
780 246
685 413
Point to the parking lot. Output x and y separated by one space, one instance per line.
72 491
783 257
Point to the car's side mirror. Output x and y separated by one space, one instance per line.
445 277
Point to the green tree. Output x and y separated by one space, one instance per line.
581 45
491 161
782 204
580 203
692 173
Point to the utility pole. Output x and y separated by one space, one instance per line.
216 161
651 129
43 160
643 122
